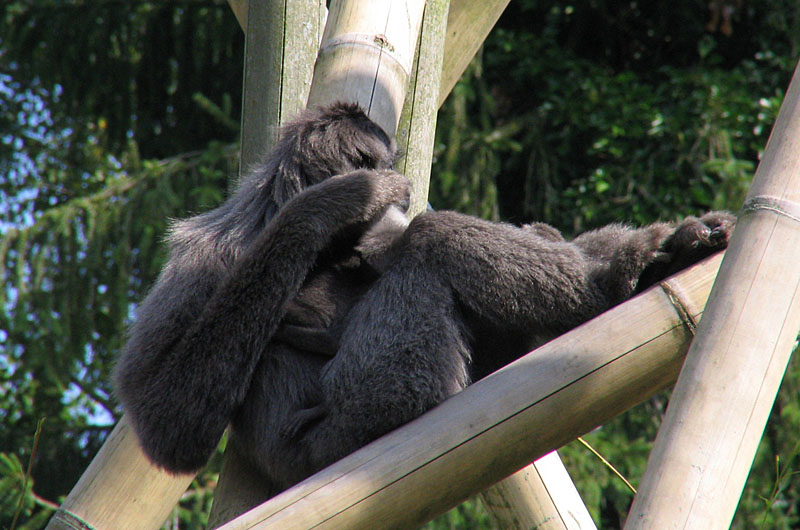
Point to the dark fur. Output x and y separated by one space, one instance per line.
233 271
458 298
467 296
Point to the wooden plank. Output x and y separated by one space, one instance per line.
280 49
717 413
417 128
523 411
468 25
281 46
239 8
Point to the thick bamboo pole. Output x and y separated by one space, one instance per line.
706 444
515 415
540 496
366 56
468 24
120 489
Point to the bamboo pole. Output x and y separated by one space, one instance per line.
540 496
120 489
366 56
468 24
519 413
706 444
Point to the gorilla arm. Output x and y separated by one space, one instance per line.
530 281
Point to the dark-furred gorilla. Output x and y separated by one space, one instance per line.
299 314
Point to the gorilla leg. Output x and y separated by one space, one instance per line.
404 350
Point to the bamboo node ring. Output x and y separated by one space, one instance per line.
780 206
71 520
378 42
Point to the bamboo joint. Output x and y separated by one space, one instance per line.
780 206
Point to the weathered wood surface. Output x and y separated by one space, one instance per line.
468 24
540 496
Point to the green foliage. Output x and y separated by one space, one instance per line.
80 241
133 66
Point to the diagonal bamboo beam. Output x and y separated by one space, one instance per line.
120 489
523 411
468 24
717 413
541 496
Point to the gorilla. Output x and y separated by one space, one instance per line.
308 314
289 231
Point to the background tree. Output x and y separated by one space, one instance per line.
116 117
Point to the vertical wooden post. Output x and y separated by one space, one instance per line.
281 44
282 38
417 127
706 444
